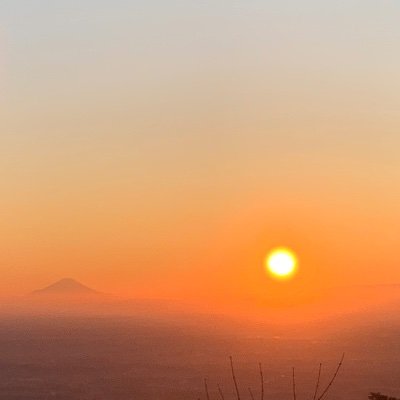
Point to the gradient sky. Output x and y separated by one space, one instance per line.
160 148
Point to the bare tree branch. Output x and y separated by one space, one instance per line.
262 381
206 388
333 379
220 393
294 384
251 394
234 380
318 380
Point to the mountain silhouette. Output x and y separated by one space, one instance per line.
66 287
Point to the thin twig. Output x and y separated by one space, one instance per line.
206 388
333 379
251 394
234 380
220 393
318 380
262 381
294 385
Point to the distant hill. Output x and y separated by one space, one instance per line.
66 287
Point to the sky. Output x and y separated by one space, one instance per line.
161 149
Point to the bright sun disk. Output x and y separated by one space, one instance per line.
281 263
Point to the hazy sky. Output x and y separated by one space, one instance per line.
161 148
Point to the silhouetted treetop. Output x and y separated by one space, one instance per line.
379 396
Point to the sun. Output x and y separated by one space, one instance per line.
281 263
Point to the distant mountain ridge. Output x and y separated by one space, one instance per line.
66 287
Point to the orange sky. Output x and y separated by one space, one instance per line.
162 151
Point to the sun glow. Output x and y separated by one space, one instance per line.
281 263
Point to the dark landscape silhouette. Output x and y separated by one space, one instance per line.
89 349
